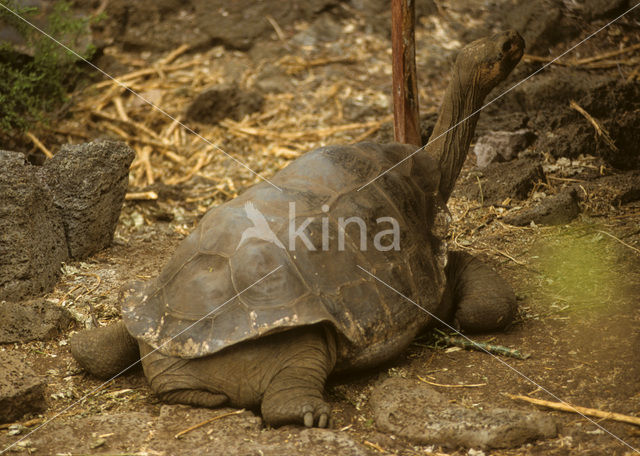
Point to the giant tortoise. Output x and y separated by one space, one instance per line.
310 274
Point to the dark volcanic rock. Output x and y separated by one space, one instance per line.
412 410
225 101
34 320
32 240
499 146
554 210
88 183
563 132
500 181
21 390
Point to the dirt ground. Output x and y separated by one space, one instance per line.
577 283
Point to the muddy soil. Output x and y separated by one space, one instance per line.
577 283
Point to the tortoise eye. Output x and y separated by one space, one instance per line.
506 46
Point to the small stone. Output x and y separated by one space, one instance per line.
499 146
414 411
21 390
31 320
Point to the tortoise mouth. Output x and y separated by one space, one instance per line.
512 46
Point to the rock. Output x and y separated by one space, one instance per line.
500 181
224 101
32 240
499 146
21 390
627 186
414 411
558 209
564 132
88 182
32 320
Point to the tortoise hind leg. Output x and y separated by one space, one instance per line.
295 393
483 300
197 398
106 351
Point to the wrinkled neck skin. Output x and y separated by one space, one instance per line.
450 149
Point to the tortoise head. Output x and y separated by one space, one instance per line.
486 62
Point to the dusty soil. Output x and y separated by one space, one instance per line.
577 284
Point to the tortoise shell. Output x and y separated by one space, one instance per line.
232 279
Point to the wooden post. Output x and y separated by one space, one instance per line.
406 113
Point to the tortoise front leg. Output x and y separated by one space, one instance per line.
482 299
295 393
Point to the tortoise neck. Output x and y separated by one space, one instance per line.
452 134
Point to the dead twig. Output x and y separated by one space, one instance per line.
600 131
171 56
130 77
141 196
296 64
375 446
606 55
619 240
589 62
135 125
204 423
564 407
28 423
276 27
471 385
165 149
319 133
144 156
39 145
480 346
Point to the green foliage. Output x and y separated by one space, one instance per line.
32 86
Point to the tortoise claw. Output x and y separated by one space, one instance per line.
308 419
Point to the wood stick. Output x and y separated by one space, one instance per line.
480 346
276 27
122 113
252 131
606 55
564 407
144 196
140 73
471 385
171 56
581 62
375 446
600 131
165 149
136 125
619 240
39 145
144 155
406 112
199 425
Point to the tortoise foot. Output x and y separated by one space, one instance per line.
302 409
